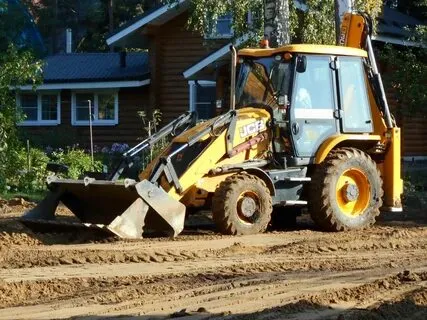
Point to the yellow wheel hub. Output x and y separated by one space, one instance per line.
353 192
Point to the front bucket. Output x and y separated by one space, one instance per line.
126 209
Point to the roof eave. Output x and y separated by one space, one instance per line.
398 41
87 85
216 55
156 17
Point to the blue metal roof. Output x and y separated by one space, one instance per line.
393 23
91 67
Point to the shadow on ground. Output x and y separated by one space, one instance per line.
405 309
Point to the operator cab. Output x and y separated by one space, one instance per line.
311 96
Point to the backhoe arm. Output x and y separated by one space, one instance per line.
356 29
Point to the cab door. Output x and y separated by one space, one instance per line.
355 111
313 105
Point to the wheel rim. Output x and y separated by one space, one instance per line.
248 205
353 192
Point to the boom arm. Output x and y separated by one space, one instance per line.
356 31
185 119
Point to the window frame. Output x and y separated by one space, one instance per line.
193 91
95 121
213 35
39 121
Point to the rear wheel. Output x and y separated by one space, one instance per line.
346 191
242 204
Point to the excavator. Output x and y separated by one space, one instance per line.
308 127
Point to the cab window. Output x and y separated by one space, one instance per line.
354 99
253 86
313 89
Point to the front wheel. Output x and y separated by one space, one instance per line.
346 191
241 205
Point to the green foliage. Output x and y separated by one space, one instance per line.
316 25
150 126
406 73
78 162
28 174
16 68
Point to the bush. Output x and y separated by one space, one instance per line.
77 160
407 69
27 176
16 68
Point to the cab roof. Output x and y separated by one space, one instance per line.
304 48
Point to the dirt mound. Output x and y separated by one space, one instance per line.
8 239
15 205
408 307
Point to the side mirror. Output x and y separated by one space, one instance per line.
301 64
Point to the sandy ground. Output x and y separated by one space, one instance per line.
379 273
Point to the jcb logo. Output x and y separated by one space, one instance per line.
252 128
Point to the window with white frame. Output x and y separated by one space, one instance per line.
40 108
203 98
104 108
221 27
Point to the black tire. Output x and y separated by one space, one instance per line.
241 205
328 201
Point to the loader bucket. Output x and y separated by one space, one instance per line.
126 209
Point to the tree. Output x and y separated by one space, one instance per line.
16 68
311 21
276 22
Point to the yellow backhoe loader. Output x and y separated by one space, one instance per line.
309 126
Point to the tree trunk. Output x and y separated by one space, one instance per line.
110 16
54 31
111 19
276 22
341 7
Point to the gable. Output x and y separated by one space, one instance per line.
132 33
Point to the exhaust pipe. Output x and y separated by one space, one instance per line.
233 78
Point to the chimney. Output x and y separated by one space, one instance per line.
68 40
123 59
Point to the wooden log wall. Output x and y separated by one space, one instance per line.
128 130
